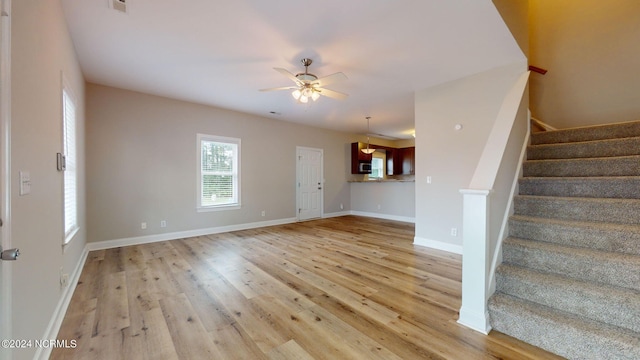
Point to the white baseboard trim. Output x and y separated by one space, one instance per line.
475 321
384 216
438 245
138 240
51 333
63 304
336 214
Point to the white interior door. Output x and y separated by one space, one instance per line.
310 182
6 318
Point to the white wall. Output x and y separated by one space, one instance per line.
41 51
141 164
449 156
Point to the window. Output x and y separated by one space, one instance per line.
377 166
218 172
70 165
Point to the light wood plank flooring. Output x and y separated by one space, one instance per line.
338 288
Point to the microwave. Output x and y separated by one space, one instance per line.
365 168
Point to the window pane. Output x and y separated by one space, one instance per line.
218 172
217 190
70 172
377 168
217 156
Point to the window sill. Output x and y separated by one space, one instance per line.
69 238
218 208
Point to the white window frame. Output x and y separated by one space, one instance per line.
70 159
236 173
381 157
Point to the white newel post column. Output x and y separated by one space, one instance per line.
475 260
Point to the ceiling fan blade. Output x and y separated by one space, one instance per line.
280 88
288 74
333 94
330 79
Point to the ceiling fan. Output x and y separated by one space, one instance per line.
309 85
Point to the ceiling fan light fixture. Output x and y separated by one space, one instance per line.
309 85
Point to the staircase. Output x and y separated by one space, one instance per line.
570 277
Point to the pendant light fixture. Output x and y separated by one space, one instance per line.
368 150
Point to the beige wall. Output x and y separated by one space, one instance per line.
41 51
590 48
450 156
515 14
142 164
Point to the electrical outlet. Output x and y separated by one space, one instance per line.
263 213
454 232
428 179
341 206
163 223
143 225
64 278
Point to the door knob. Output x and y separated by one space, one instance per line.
11 254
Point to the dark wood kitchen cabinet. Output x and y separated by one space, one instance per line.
400 161
358 157
408 160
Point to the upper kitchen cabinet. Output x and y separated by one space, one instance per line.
408 156
400 161
358 157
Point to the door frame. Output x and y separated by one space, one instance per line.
5 173
298 179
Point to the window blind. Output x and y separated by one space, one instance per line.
70 172
219 171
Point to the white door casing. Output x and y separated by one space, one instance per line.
6 318
310 181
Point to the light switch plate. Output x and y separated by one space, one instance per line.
25 183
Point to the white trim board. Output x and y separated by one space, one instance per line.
438 245
384 216
60 311
146 239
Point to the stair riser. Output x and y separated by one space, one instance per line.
560 335
620 211
570 277
595 149
619 187
595 302
622 130
619 166
620 240
616 273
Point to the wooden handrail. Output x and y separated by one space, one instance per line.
537 69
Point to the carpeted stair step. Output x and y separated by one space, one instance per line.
604 303
602 166
561 333
616 269
594 187
608 131
585 149
599 236
620 211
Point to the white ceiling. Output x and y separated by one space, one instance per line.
220 53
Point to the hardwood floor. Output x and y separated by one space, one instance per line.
337 288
